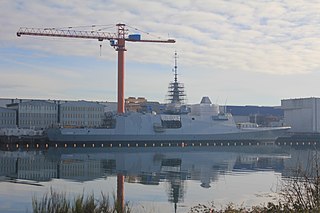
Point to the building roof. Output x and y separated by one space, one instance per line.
82 103
37 103
3 109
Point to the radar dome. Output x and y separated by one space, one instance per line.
205 100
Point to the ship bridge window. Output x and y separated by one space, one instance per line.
171 121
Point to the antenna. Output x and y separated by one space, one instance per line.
225 106
175 67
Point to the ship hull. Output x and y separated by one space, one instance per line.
147 128
266 136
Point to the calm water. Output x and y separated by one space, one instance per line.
155 178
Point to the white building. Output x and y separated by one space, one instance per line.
303 114
8 118
36 114
81 113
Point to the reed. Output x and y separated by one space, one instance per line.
57 202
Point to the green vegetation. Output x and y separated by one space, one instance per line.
57 202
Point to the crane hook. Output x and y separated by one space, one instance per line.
100 48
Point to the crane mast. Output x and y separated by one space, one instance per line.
117 40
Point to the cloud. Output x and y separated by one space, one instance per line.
210 29
277 38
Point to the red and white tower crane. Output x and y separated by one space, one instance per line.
117 40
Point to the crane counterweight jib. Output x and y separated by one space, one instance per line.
152 41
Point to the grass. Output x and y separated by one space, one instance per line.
57 202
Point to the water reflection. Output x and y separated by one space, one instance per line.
149 166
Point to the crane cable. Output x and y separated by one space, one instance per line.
84 26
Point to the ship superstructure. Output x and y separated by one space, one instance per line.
176 93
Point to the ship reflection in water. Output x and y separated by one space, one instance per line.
151 175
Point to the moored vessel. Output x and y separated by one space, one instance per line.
200 123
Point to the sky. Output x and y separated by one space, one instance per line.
237 52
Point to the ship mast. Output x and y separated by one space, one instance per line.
176 93
175 67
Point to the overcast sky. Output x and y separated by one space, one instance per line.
253 52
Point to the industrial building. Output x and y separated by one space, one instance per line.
81 114
41 114
133 104
36 114
8 118
261 115
302 114
153 106
91 114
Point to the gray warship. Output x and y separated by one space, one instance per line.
198 123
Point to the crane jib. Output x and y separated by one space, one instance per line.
81 34
66 33
117 41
